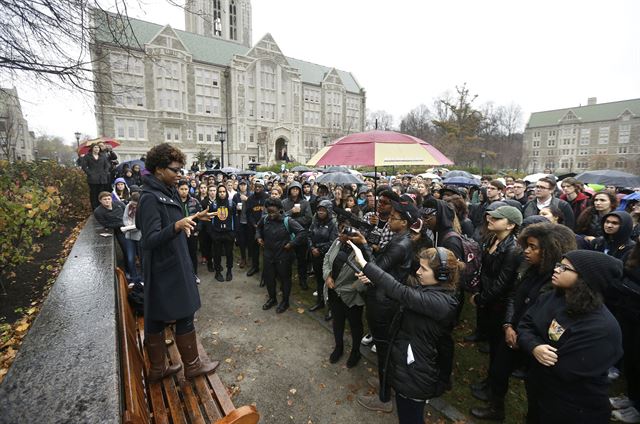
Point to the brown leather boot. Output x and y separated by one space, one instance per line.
188 348
157 351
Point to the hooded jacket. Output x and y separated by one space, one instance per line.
304 216
127 192
619 244
323 233
444 227
578 205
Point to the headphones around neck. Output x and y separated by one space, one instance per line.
443 270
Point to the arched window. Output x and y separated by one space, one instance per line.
233 21
217 17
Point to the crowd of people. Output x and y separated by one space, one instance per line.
552 271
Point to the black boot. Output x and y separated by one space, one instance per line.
210 265
482 384
270 304
219 276
318 305
229 275
252 270
495 410
336 354
283 306
482 394
354 357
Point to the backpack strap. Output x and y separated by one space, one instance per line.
286 225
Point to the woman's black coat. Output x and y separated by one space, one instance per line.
170 289
425 319
97 170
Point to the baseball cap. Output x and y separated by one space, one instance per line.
512 214
258 181
407 210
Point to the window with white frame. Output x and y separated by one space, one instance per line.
603 135
207 91
268 91
602 151
536 143
172 133
624 133
127 76
205 133
585 136
333 108
623 150
536 153
312 107
353 113
536 135
620 163
564 164
583 152
582 165
171 85
131 129
551 143
233 20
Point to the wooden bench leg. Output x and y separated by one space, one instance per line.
243 415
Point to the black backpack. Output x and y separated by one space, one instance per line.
470 278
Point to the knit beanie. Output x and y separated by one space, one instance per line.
597 269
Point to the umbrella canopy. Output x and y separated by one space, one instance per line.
430 176
301 168
607 177
214 172
86 145
339 178
245 173
458 173
231 170
130 163
375 175
534 177
461 181
331 169
633 197
379 148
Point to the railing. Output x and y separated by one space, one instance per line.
67 369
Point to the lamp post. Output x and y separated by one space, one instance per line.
221 138
482 156
77 134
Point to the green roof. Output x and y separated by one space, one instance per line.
589 113
217 51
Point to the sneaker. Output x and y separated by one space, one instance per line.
373 349
197 279
621 402
367 339
373 403
614 373
628 415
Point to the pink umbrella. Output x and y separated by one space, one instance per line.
379 148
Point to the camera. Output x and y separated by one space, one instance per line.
349 231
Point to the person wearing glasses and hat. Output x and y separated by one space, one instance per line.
255 211
572 340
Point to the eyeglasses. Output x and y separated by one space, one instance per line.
539 187
174 170
562 267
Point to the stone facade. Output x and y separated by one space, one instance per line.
595 136
14 129
182 87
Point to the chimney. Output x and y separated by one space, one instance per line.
592 101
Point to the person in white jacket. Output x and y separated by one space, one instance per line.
129 229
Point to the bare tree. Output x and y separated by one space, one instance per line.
382 118
418 123
49 39
8 133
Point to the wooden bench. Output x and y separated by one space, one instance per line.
175 399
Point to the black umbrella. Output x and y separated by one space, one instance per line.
301 168
375 175
336 169
461 181
245 173
130 163
610 178
458 174
340 178
214 172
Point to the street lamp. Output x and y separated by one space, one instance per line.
482 156
77 134
221 139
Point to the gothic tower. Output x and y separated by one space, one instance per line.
226 19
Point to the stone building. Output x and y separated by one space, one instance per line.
155 83
16 141
594 136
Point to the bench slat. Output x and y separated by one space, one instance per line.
205 393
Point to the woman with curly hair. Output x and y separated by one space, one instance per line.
543 246
572 340
170 289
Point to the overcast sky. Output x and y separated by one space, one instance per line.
542 54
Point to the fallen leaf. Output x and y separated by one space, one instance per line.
290 402
293 391
300 310
240 377
228 360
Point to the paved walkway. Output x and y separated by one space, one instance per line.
279 361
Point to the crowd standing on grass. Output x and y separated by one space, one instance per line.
551 268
